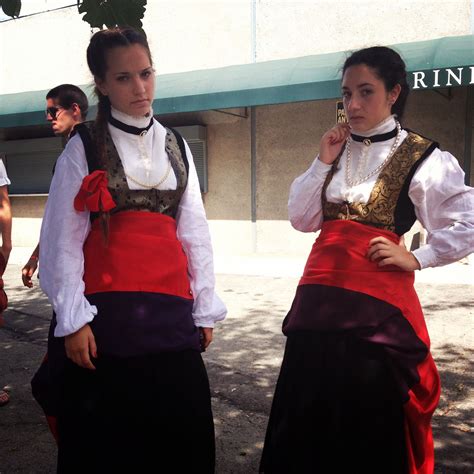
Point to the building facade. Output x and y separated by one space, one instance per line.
253 83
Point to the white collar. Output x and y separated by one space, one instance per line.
385 126
139 122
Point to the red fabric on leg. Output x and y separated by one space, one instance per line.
339 258
53 426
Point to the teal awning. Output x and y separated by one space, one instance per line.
434 63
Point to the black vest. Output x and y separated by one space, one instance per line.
151 200
389 206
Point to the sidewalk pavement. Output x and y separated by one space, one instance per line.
284 266
243 362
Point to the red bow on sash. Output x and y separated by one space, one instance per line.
94 194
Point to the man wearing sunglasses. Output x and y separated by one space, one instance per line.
66 107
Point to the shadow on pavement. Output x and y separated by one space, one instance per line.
243 364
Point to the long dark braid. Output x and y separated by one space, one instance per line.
101 131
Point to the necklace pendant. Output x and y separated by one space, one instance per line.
367 142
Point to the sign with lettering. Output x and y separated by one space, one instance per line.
340 112
447 77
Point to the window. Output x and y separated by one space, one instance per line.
30 163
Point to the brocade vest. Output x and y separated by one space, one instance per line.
163 201
389 206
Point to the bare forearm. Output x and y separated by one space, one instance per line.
35 254
5 218
29 269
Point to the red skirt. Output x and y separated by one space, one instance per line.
139 282
342 290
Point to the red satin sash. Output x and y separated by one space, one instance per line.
143 253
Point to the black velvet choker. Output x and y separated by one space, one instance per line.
375 138
129 128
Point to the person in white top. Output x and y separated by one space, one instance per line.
5 249
127 263
66 107
358 385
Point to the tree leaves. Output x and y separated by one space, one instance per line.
113 13
97 12
11 7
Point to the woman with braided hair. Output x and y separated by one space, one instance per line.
127 265
358 385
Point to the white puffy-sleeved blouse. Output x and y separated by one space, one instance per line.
444 205
64 230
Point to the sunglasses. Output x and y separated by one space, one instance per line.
53 111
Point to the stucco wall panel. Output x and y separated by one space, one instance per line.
28 206
27 214
229 170
186 35
286 28
439 118
287 143
43 51
279 237
50 48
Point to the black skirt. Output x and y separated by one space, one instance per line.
142 414
336 409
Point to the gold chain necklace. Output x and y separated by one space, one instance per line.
151 186
144 152
349 181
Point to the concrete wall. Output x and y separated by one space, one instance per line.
187 35
440 117
183 36
229 167
44 50
228 202
288 28
27 215
287 142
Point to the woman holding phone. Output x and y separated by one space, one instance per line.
358 385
